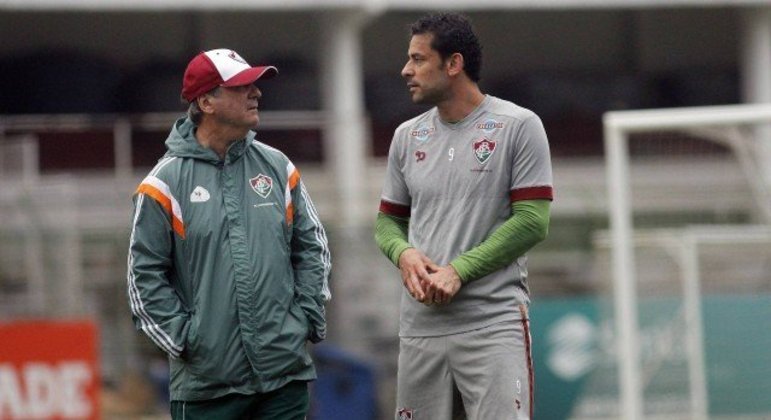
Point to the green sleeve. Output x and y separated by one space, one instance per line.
527 226
391 235
156 307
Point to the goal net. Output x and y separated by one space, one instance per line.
686 265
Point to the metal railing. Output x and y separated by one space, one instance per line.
123 126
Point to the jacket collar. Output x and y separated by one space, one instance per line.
181 142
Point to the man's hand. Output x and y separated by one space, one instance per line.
416 268
441 286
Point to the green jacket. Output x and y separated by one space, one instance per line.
228 267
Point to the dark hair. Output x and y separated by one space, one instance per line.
453 34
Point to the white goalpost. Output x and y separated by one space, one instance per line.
735 135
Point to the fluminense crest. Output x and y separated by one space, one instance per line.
483 149
262 185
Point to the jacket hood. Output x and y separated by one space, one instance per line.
182 143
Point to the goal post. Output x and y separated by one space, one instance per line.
742 133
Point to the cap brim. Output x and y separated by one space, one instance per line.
251 75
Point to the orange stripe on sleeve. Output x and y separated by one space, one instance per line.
165 202
289 214
294 178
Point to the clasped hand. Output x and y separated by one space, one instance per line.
427 282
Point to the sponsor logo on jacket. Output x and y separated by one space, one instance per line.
199 195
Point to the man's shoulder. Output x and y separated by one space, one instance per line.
267 153
163 177
167 167
508 109
412 124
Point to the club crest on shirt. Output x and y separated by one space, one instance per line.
262 184
404 414
483 149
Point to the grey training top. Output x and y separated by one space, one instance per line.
456 182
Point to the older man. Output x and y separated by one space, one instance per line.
228 262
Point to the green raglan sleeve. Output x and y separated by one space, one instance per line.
391 235
527 226
311 261
156 308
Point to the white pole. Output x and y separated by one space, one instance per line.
122 145
756 55
623 265
37 296
346 142
689 264
72 301
346 136
756 75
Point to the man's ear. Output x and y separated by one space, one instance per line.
205 103
455 64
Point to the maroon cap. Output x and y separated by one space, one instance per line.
220 67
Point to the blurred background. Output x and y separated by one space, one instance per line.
89 91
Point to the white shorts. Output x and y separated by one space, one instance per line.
478 375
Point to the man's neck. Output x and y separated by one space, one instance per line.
217 138
462 102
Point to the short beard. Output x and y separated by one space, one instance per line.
432 97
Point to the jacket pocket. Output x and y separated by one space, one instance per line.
189 354
286 353
201 359
315 317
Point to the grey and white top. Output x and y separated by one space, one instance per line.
456 183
